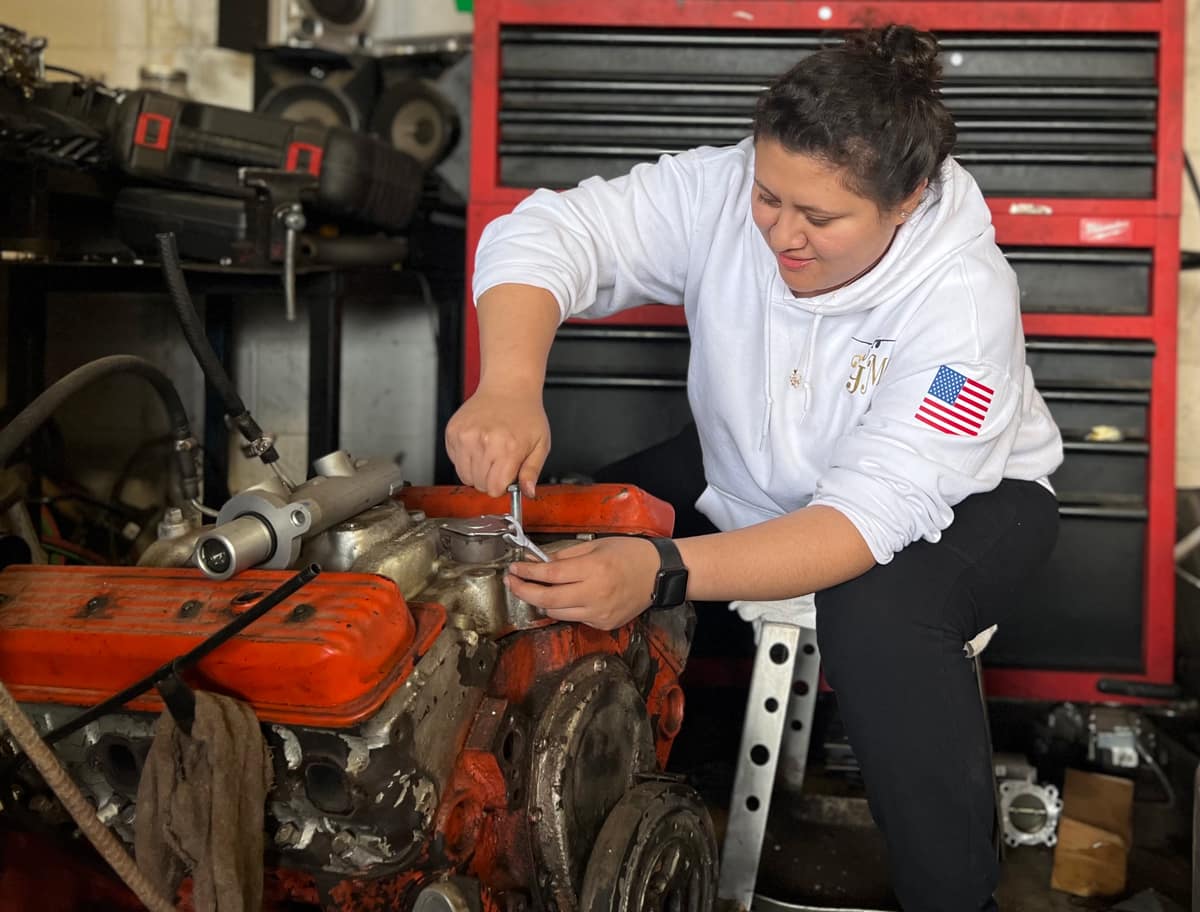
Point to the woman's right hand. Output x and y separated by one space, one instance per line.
496 436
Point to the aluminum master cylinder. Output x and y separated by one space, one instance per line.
265 525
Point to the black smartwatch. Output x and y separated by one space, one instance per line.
670 586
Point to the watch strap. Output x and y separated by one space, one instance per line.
669 557
670 584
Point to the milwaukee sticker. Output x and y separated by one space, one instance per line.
1105 231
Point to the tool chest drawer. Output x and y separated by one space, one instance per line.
1091 364
1080 413
1083 609
1082 280
606 351
612 391
1038 113
1094 472
594 425
1098 391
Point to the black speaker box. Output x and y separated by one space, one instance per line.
316 86
397 98
414 116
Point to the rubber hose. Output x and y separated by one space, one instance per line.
34 415
77 805
356 251
210 364
189 320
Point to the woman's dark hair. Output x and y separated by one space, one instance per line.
870 106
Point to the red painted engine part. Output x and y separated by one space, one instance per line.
613 509
484 831
329 655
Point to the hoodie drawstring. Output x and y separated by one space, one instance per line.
809 356
810 352
766 422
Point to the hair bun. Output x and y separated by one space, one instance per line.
913 53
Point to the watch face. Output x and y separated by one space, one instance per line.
671 589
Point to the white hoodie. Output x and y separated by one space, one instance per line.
890 399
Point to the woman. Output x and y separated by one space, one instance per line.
870 430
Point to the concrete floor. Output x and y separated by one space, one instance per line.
825 851
845 865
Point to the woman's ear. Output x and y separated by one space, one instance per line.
909 204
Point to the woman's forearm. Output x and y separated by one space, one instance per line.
517 324
801 552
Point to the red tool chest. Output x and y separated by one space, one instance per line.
1070 118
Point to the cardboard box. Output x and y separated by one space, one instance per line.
1095 834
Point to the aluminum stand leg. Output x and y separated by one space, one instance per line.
806 676
783 691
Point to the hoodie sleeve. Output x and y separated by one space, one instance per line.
603 246
942 422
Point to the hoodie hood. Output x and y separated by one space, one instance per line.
952 215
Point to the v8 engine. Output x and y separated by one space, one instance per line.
437 743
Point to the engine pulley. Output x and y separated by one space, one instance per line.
656 852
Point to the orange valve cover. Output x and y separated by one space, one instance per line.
328 656
613 509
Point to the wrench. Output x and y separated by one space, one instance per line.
518 538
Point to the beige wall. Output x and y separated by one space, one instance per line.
1188 458
112 39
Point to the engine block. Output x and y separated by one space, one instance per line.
437 743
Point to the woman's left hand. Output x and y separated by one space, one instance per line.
604 583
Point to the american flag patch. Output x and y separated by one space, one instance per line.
955 404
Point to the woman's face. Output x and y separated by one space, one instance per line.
822 234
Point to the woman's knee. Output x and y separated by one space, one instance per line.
892 613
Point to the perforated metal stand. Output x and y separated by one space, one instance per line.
779 712
786 672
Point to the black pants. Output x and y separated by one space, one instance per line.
892 649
